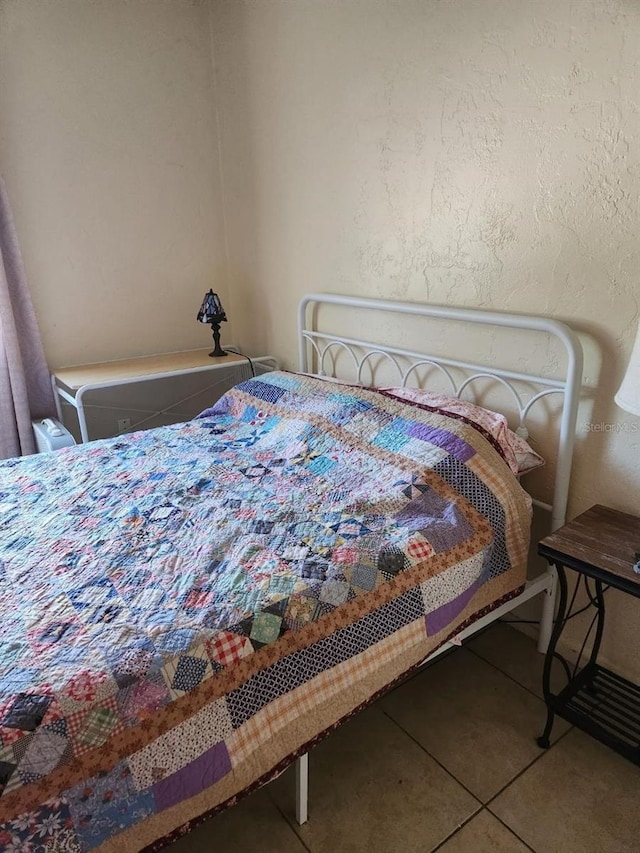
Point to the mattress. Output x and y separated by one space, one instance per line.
188 609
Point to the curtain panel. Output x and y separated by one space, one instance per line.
25 386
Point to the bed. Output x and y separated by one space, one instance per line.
188 610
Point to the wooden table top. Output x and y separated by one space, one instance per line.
149 365
601 542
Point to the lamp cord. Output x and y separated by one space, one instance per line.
243 355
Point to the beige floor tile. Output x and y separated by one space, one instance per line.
581 797
516 655
255 824
483 834
476 721
373 789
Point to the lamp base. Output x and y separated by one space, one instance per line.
217 349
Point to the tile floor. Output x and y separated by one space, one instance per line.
447 762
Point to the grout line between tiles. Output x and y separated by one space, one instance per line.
473 816
486 807
511 830
449 773
543 752
506 674
433 757
290 824
457 830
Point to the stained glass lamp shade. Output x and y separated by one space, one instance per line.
212 312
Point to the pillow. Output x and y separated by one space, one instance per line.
520 457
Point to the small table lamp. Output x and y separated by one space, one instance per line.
211 311
628 398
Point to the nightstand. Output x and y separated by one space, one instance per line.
72 383
600 545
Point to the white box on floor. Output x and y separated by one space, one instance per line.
51 435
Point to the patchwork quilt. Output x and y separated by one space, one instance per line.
185 610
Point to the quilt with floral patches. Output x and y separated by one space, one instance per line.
187 609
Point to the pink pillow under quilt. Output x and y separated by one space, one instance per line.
518 454
520 457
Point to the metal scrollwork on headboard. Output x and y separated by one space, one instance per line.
325 346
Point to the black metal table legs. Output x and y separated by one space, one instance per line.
587 674
543 740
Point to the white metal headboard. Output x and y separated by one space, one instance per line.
324 344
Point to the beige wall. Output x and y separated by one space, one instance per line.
109 150
478 152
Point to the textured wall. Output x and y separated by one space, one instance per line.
478 152
108 147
